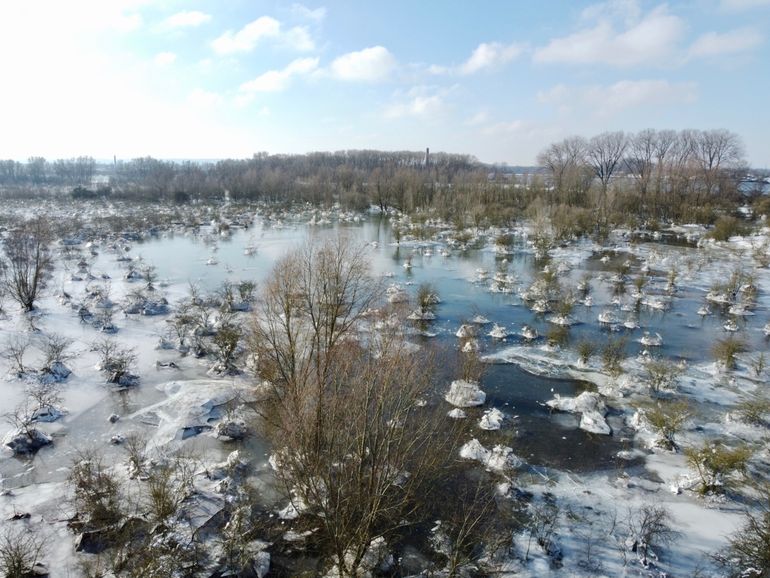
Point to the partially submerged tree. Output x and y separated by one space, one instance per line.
27 262
661 374
20 552
667 419
357 451
718 467
116 361
650 529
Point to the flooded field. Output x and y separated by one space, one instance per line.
656 299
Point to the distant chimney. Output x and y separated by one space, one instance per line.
427 156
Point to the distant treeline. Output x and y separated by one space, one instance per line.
692 175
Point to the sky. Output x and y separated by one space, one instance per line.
497 79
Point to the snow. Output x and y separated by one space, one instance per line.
591 407
465 394
492 419
190 405
499 458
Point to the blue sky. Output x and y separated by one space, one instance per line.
496 79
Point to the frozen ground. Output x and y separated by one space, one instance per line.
178 408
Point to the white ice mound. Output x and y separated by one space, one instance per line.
498 332
465 394
590 405
492 419
499 458
465 331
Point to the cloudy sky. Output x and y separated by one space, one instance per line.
496 79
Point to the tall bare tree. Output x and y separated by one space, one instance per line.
357 452
566 161
605 152
715 151
311 303
27 262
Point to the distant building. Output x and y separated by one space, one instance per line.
427 156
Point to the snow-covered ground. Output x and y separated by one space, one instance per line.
185 407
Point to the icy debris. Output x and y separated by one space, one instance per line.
47 413
56 372
563 320
457 413
465 331
231 429
290 512
607 318
396 294
421 316
500 458
528 332
498 332
465 394
26 442
492 419
226 469
470 346
590 405
651 340
376 560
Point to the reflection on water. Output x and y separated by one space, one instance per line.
538 436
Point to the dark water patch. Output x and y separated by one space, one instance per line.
538 435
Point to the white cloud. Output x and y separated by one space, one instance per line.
303 11
737 5
278 80
488 55
416 106
263 28
186 19
370 64
419 102
719 44
164 58
601 100
437 69
247 37
200 98
298 38
479 118
650 39
505 128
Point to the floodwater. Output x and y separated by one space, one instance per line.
537 435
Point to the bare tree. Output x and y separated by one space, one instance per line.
748 553
714 151
311 303
116 361
20 550
357 452
27 262
55 350
566 161
641 160
15 349
650 529
605 152
665 140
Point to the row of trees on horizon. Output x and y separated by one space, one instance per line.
655 172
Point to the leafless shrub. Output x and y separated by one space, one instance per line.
28 262
20 549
